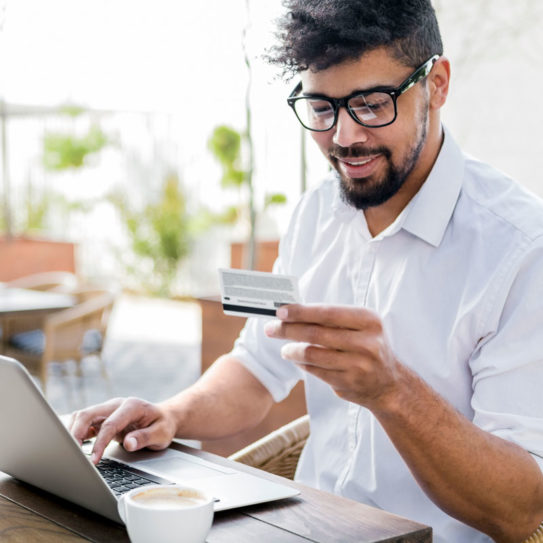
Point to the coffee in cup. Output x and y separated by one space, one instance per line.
168 498
166 514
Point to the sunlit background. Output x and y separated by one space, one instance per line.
154 79
127 130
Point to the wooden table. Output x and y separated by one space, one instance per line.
24 309
28 514
19 301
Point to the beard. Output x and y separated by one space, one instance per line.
362 193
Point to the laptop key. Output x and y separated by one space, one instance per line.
113 467
122 489
142 481
121 478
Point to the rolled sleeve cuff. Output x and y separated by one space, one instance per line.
261 356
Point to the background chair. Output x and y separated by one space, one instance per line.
278 452
70 334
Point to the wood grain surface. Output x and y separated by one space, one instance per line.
28 514
20 525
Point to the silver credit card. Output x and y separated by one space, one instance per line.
250 293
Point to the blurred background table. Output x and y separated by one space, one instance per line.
19 301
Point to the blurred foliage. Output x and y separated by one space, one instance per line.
36 210
72 110
39 205
160 235
205 219
226 145
274 199
63 151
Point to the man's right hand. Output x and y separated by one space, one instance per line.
132 422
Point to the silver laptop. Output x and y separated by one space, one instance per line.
37 448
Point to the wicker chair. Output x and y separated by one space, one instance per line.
537 536
70 334
278 452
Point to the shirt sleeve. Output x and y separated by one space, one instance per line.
260 354
507 367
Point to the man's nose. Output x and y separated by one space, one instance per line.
347 131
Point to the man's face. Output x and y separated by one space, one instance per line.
373 163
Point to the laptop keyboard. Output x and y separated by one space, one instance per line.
121 478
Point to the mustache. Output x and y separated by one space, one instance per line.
336 151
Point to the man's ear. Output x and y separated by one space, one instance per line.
438 82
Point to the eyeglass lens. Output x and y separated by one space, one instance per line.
373 109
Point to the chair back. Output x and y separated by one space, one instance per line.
537 536
79 330
279 451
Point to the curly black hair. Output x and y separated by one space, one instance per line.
317 34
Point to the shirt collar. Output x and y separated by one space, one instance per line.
341 210
429 211
432 207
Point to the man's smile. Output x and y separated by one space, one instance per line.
358 163
357 167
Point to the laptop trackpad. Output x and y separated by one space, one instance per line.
178 469
170 464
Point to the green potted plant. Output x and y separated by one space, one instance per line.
226 145
160 236
25 246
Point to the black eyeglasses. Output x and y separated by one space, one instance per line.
372 108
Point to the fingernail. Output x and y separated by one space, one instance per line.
130 443
286 351
282 312
94 458
270 328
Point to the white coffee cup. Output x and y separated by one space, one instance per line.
166 514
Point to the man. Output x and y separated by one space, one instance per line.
420 269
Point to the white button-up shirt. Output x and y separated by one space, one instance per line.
458 282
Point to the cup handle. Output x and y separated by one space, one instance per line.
121 508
